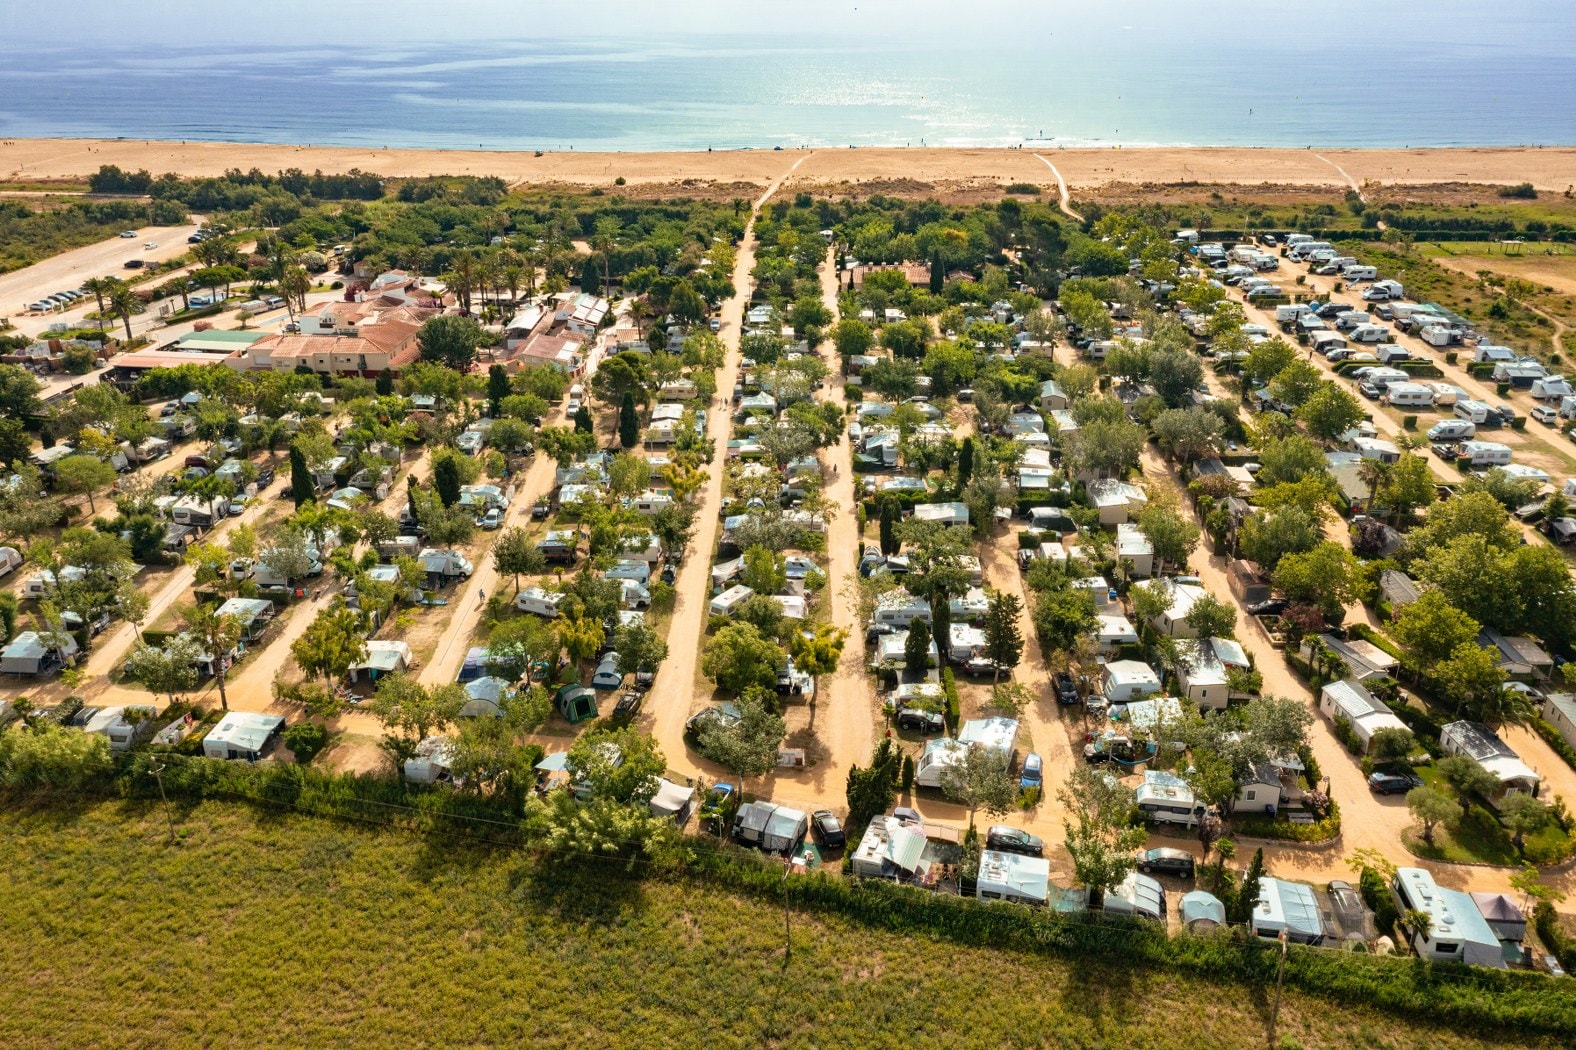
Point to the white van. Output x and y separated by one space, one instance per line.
1451 430
1471 411
1546 414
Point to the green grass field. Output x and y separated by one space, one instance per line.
295 931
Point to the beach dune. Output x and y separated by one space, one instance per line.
1552 169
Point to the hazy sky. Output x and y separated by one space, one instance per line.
148 24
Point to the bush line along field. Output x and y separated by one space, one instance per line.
282 929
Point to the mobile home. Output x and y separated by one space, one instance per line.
729 600
1457 933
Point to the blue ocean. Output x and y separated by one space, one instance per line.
1400 73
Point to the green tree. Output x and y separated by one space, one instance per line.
1466 778
1189 434
302 486
628 422
916 647
331 644
19 390
816 652
980 779
1240 909
1430 629
1061 615
1296 384
1472 678
1175 374
583 422
887 527
746 747
1330 411
1212 618
515 554
1328 576
621 765
1430 807
124 302
639 647
1523 815
1003 639
852 337
1173 537
764 571
446 480
217 636
1289 459
411 712
497 389
738 657
1267 360
1265 539
83 476
1101 826
451 341
169 668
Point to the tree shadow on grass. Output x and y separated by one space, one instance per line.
577 891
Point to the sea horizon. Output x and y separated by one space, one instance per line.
1134 76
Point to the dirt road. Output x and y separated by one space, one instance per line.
674 695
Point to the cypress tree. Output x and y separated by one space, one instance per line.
1247 896
497 390
916 650
938 276
384 384
302 490
965 463
446 479
583 421
888 526
410 495
628 422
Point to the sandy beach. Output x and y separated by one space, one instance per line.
1552 169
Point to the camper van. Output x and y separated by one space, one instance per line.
1360 273
450 565
1382 290
1165 798
1409 395
729 600
1451 430
1351 319
1368 333
1287 315
1471 411
630 569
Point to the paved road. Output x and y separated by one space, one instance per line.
67 271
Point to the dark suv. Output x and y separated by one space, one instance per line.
1066 689
1006 839
1393 783
1166 861
920 720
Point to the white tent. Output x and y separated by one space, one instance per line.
672 801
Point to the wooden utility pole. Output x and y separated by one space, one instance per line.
157 769
1280 974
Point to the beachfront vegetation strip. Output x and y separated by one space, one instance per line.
281 913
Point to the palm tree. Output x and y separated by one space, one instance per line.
99 287
602 240
123 302
217 635
1376 474
461 279
294 283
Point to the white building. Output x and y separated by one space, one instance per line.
1457 931
242 734
1364 713
1480 743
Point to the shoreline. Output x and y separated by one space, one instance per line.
1548 168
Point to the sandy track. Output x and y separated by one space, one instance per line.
1553 168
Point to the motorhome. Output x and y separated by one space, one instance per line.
1360 273
1379 291
399 547
1368 333
630 569
450 565
1351 319
1451 430
1485 453
1166 798
1287 315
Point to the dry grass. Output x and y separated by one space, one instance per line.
290 931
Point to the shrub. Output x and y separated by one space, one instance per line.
1377 896
1522 191
305 740
1556 742
1409 422
1024 189
1285 831
949 688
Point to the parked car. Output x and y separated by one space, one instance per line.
827 830
493 519
150 246
1393 783
921 721
1268 607
1033 772
1006 839
1066 689
541 509
1166 861
265 478
128 234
